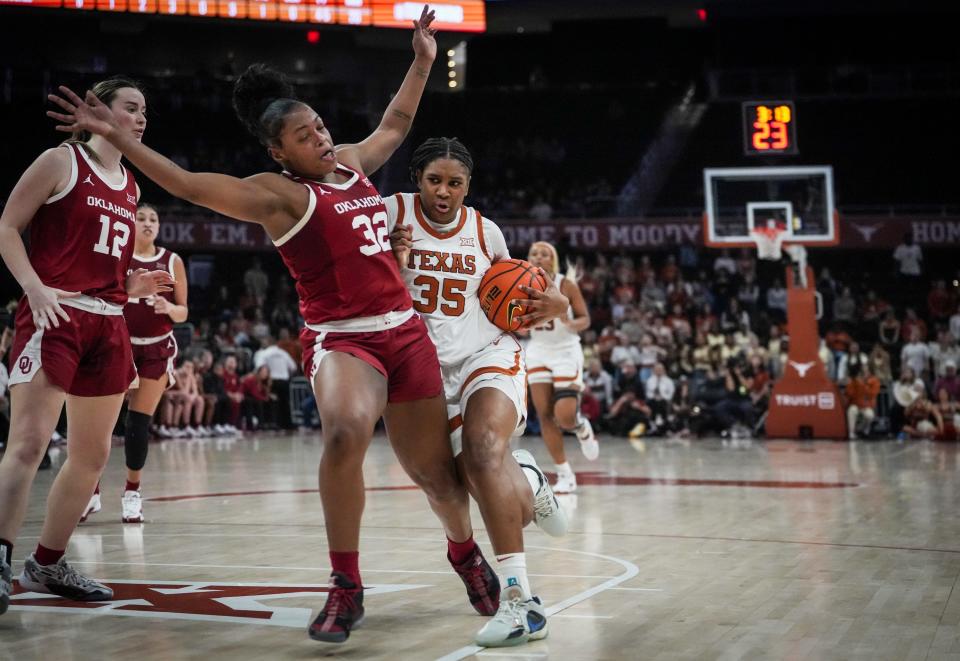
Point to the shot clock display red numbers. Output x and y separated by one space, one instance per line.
769 127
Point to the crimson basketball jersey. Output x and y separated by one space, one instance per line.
339 253
142 321
81 239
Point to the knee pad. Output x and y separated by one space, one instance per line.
137 439
564 394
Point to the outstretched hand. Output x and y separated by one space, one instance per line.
143 283
87 114
543 305
424 45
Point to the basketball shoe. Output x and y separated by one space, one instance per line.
92 507
63 580
547 513
483 586
566 483
518 620
342 612
588 442
132 506
6 585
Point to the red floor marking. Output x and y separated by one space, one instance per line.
223 494
600 478
589 477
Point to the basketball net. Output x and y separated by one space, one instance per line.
769 239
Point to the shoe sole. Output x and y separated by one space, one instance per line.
513 642
131 520
27 584
331 636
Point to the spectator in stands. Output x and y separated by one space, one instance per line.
909 258
629 412
861 393
650 355
724 262
845 307
259 329
679 323
912 322
943 350
838 342
233 390
923 419
659 394
258 400
905 392
748 295
916 354
949 381
734 317
871 312
940 302
955 324
599 382
879 364
541 209
256 281
683 408
203 363
281 369
889 333
653 297
776 351
760 384
735 410
290 344
777 301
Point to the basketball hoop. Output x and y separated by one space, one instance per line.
769 240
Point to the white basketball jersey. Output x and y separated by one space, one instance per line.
443 273
554 334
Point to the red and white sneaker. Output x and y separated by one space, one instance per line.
483 586
92 507
342 612
132 506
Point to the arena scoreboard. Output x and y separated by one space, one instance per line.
452 15
769 128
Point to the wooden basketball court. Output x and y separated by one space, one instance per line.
677 550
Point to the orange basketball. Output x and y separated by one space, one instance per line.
500 288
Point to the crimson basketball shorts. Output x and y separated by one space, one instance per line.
154 357
88 356
404 354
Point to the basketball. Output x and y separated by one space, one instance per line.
500 288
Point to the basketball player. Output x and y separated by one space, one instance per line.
150 321
366 352
71 342
555 370
446 248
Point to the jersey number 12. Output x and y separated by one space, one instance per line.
120 237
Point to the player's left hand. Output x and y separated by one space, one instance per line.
142 283
424 45
543 305
161 305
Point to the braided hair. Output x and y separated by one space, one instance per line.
262 99
433 149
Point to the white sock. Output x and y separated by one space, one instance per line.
564 468
512 569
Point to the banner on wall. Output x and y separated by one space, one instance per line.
198 233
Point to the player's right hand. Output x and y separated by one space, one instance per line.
87 114
45 305
401 240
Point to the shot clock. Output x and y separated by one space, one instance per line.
769 128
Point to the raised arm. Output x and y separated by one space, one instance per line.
379 146
257 199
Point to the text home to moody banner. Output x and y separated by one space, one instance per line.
195 233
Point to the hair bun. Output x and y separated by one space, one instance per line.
254 90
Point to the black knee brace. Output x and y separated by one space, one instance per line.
563 394
136 439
